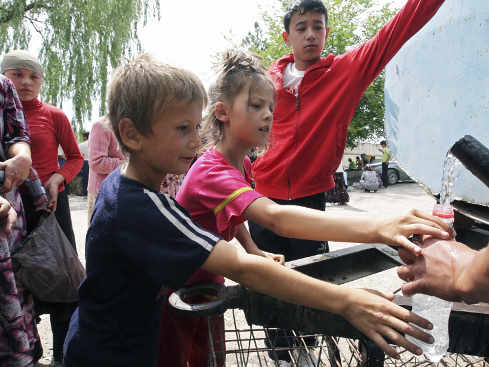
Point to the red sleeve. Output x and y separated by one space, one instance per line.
67 140
372 56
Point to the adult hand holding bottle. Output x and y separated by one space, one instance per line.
448 269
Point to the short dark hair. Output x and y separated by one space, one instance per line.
85 134
302 7
383 142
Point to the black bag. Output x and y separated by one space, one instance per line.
47 264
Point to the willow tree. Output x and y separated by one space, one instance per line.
80 41
351 22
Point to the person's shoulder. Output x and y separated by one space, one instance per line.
210 162
277 69
53 109
123 197
57 113
101 124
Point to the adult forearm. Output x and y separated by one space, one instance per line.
473 283
21 150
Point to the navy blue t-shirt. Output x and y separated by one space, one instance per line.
138 242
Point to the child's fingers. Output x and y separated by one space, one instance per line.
280 259
408 245
398 339
378 339
430 219
400 325
408 316
424 229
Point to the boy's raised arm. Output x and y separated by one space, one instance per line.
379 50
369 311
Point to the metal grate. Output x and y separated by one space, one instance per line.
246 346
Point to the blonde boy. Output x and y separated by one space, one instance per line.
141 241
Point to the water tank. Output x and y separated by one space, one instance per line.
437 91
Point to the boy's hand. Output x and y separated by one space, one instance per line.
396 231
374 315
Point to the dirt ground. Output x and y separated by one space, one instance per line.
394 200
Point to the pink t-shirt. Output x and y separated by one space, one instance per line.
216 194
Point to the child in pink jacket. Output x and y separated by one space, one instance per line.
104 156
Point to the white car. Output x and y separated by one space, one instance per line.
395 173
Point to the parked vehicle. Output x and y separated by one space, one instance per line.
395 173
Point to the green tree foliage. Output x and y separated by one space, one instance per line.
80 41
351 23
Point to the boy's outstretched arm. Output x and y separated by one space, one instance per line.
309 224
369 311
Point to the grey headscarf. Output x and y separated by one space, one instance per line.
21 59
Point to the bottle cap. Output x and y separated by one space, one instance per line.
443 211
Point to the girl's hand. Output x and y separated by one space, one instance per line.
8 216
16 171
375 316
396 231
279 258
52 187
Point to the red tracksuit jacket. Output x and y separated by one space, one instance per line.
309 132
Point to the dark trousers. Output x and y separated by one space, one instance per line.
292 249
84 176
385 179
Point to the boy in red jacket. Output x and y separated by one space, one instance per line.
315 101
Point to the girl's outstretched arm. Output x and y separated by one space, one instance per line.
309 224
371 312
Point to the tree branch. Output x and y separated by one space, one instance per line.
7 14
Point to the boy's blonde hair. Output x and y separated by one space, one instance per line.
235 71
143 88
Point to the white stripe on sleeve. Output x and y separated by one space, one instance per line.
169 215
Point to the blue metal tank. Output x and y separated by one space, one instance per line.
437 91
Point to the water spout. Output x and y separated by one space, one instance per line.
474 156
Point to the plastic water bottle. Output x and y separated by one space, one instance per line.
434 309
